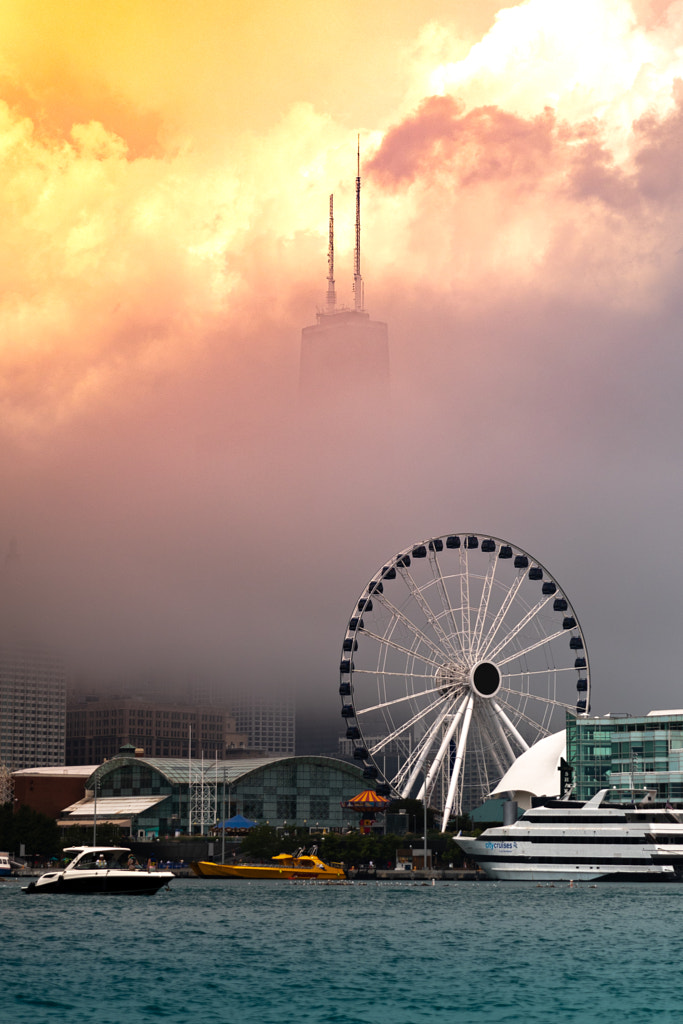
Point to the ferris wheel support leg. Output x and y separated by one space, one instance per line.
418 768
457 765
497 724
438 760
501 714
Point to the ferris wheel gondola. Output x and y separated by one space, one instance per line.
460 653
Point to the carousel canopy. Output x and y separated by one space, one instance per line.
368 800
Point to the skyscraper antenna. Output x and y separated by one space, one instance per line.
331 293
358 297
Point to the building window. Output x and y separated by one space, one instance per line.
320 807
253 808
286 808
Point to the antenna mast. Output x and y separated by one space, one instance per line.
358 290
331 293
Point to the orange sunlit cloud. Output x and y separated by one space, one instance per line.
165 171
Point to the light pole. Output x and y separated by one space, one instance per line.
425 775
223 823
424 849
94 814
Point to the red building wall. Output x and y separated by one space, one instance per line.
48 794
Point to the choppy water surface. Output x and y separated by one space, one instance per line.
381 953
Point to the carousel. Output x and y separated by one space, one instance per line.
368 804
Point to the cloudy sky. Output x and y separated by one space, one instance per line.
165 170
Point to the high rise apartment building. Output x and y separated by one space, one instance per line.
269 723
32 707
97 728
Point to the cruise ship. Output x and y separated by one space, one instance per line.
569 840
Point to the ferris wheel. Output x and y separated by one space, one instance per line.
461 652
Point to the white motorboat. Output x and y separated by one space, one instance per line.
100 869
568 840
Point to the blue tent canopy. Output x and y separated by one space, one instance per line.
237 821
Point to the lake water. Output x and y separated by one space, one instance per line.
362 953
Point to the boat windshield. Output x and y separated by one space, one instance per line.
101 859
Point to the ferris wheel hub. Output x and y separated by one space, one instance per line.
451 678
485 679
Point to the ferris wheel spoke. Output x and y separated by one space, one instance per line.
401 700
493 749
494 728
556 671
395 646
429 740
502 612
542 642
404 770
518 628
443 749
427 610
447 604
538 728
405 727
484 604
400 784
453 787
421 752
465 599
503 718
437 760
400 616
406 675
540 698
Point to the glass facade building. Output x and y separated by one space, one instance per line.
165 796
628 755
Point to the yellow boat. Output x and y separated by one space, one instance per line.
285 865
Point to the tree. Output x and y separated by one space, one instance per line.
415 811
354 848
264 842
38 833
81 835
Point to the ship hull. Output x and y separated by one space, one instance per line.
595 841
207 869
105 882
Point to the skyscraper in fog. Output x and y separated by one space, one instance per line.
269 722
98 726
345 354
32 707
32 679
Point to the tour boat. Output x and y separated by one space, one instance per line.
5 866
100 869
285 865
569 840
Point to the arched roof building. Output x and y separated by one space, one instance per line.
165 795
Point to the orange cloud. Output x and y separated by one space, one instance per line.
165 172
